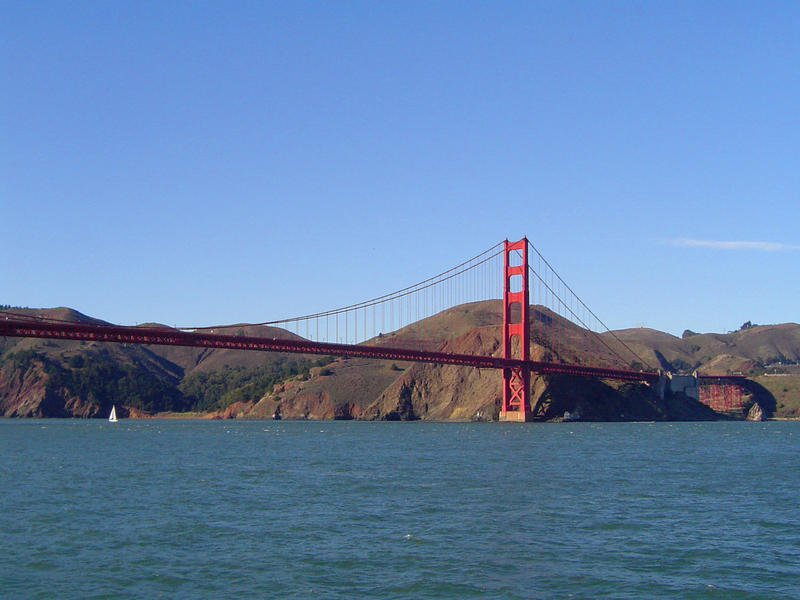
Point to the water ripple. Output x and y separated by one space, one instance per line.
197 509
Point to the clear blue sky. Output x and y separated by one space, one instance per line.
199 163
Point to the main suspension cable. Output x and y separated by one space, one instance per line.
578 298
422 285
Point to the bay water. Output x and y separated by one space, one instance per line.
278 509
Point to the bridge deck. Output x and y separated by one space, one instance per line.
175 337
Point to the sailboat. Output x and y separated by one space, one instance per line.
112 418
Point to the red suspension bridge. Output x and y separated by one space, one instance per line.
568 338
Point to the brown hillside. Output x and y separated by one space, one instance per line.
205 360
341 390
717 353
441 392
371 389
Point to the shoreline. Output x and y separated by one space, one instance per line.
167 416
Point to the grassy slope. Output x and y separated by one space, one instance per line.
168 363
714 353
786 391
176 360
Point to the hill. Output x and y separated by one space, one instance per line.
55 378
67 378
749 351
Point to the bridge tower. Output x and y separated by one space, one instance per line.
516 324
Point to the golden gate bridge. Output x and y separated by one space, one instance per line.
566 336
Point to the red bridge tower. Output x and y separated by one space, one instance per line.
516 324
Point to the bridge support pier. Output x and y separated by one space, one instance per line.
516 404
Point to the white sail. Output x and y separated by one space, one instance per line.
113 416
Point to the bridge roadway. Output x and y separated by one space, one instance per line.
174 337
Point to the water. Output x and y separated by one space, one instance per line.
276 509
